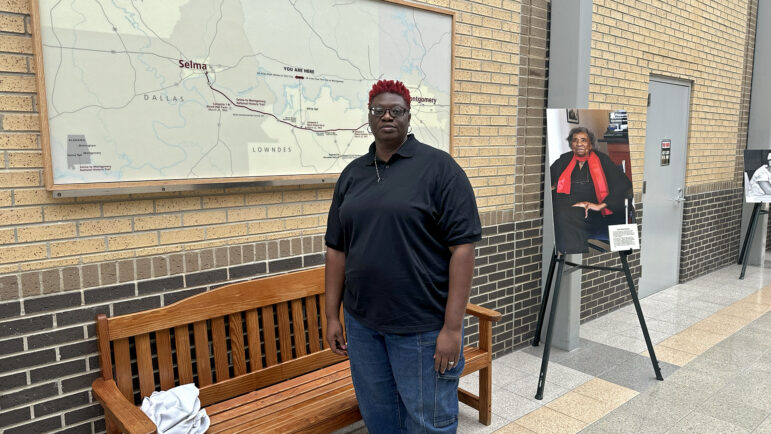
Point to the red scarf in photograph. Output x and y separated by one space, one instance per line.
598 178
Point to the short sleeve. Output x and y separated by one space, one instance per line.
459 218
334 237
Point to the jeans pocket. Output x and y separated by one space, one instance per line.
446 395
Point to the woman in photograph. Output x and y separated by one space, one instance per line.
588 191
400 257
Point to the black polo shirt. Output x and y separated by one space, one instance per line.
396 233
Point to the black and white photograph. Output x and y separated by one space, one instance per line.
757 175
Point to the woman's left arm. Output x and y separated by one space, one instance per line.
449 342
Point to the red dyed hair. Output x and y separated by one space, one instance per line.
390 86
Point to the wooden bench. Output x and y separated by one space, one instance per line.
257 353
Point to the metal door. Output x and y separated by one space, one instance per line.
666 143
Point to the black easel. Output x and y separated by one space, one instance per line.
559 257
756 210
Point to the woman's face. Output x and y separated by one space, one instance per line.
388 128
580 144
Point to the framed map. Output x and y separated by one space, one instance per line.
176 92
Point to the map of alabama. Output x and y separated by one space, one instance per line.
201 89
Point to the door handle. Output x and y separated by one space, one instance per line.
680 197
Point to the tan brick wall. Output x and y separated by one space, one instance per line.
702 41
39 232
531 110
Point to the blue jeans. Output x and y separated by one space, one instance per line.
395 382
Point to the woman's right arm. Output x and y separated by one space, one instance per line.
333 279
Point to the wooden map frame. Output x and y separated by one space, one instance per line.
151 185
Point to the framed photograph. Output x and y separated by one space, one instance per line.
576 217
572 115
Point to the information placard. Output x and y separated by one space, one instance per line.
624 237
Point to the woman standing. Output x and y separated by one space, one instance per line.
400 257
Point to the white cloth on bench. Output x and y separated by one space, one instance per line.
176 411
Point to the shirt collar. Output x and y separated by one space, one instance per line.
406 150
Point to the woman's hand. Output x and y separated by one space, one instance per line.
335 337
448 348
590 206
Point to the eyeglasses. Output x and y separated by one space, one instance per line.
396 112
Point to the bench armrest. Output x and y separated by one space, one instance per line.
482 312
125 414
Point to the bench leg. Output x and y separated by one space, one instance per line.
486 395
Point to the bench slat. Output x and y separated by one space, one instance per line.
284 331
313 323
145 365
298 328
123 368
323 306
203 363
220 348
253 338
165 365
184 362
269 332
105 356
237 344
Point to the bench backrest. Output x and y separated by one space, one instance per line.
228 341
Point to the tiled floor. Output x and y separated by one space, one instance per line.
712 337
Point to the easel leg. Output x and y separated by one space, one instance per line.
743 257
545 298
637 307
753 217
549 330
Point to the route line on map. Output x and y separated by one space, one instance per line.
274 116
